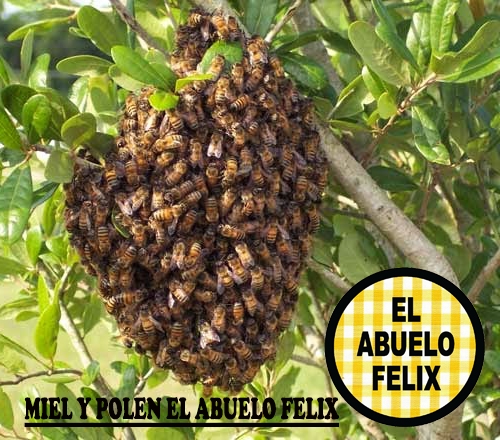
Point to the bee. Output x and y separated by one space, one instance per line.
111 178
230 172
262 251
258 176
204 296
188 221
275 63
250 372
103 241
232 232
163 215
266 157
239 134
193 255
314 221
211 210
138 198
232 367
129 125
238 76
251 302
178 254
189 358
271 322
151 122
195 19
224 278
219 319
147 322
84 219
267 137
288 164
126 278
301 186
192 199
234 30
242 102
257 278
222 91
254 78
169 142
207 335
284 248
139 233
164 358
242 350
268 349
213 356
212 173
180 295
176 334
322 181
113 275
274 300
285 318
175 121
217 66
227 200
174 176
224 118
157 200
244 255
131 106
238 313
291 284
221 27
277 270
166 263
189 95
191 119
200 185
207 281
165 159
196 154
308 115
180 191
271 85
215 146
239 273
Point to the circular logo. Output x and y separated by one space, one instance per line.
404 347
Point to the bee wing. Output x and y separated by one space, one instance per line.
173 226
284 232
236 278
220 285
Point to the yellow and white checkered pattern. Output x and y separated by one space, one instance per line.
371 310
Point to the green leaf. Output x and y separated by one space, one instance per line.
391 179
354 262
12 309
388 32
59 167
492 359
27 53
485 64
9 136
121 229
133 65
4 72
304 70
231 51
128 383
99 28
36 117
84 65
161 100
42 194
418 39
453 62
14 97
15 203
7 342
9 359
427 137
352 99
181 82
442 23
38 73
34 241
43 294
377 55
47 330
470 198
170 433
259 15
100 144
10 267
168 76
386 106
92 314
373 82
91 372
123 80
38 27
6 413
78 129
459 258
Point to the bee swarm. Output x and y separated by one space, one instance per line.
199 224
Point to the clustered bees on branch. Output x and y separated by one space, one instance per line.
199 224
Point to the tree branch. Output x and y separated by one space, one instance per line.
483 277
142 383
284 20
136 27
305 360
331 276
22 378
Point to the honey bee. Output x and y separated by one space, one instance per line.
301 186
250 372
239 273
267 137
274 300
193 255
221 27
174 176
266 157
244 255
257 278
192 199
285 318
188 221
234 30
211 210
103 239
129 125
180 191
239 135
232 232
196 154
223 118
212 173
180 295
176 334
248 203
157 200
224 278
213 356
207 281
175 121
200 185
254 78
275 63
126 278
142 163
113 275
84 219
191 119
151 122
189 358
169 142
111 178
268 349
147 322
272 86
163 215
242 350
227 200
252 305
258 176
271 322
314 221
138 198
239 104
238 76
232 367
217 66
164 358
230 172
246 158
178 254
204 296
165 159
222 91
193 272
262 251
207 335
131 106
215 146
308 115
195 19
219 319
139 233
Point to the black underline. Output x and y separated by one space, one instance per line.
180 425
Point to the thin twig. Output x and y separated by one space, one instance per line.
21 378
136 27
405 105
170 14
350 11
483 277
347 213
305 360
485 93
422 213
331 276
142 383
284 20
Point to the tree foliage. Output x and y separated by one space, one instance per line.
418 108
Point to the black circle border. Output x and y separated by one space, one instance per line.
330 344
